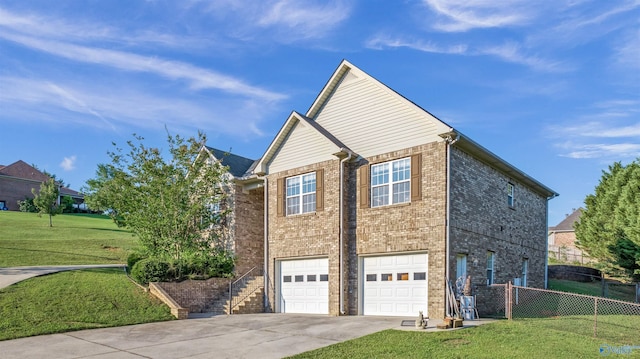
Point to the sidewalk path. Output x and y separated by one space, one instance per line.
11 275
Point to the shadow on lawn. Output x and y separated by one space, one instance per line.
57 252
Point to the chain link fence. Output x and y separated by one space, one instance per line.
607 319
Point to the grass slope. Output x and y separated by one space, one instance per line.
619 292
26 239
528 339
75 300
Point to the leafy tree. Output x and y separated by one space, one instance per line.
609 228
27 205
47 199
66 204
165 202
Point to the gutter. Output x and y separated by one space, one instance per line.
341 248
265 224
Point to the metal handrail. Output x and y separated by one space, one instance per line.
242 281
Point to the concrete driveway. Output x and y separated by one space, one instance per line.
236 336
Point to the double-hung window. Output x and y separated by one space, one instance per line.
301 194
491 256
511 192
391 182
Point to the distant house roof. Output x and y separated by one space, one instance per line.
238 165
567 223
25 171
21 169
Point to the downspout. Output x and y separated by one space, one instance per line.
449 142
546 247
341 250
266 241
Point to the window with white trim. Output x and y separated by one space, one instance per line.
491 256
301 194
391 182
511 192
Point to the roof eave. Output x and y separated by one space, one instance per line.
495 161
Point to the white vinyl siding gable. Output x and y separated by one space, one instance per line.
303 146
360 109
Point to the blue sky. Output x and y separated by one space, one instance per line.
553 87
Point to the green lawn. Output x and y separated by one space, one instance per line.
618 292
532 338
26 239
75 300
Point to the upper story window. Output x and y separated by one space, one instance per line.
301 194
391 182
511 192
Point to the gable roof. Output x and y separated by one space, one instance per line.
238 165
292 120
444 131
21 169
566 225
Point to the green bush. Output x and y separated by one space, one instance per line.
134 258
150 270
27 205
189 266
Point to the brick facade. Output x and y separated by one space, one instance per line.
247 225
482 221
13 190
418 226
480 218
313 234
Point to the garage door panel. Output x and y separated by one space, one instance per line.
304 288
403 292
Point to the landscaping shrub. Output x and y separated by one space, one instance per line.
150 270
134 258
189 266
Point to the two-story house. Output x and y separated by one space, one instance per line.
373 202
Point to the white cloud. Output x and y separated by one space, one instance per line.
600 150
283 21
98 106
508 52
379 42
68 163
198 78
464 15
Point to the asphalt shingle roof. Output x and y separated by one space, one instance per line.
238 165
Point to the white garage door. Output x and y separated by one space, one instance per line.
304 286
395 285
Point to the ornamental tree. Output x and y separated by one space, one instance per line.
167 201
46 200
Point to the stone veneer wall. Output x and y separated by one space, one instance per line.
481 221
248 227
418 226
309 234
197 295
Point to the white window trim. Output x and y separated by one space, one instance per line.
491 276
390 183
299 195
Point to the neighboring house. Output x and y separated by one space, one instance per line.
562 240
373 203
245 221
19 178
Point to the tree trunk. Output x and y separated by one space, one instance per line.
50 220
